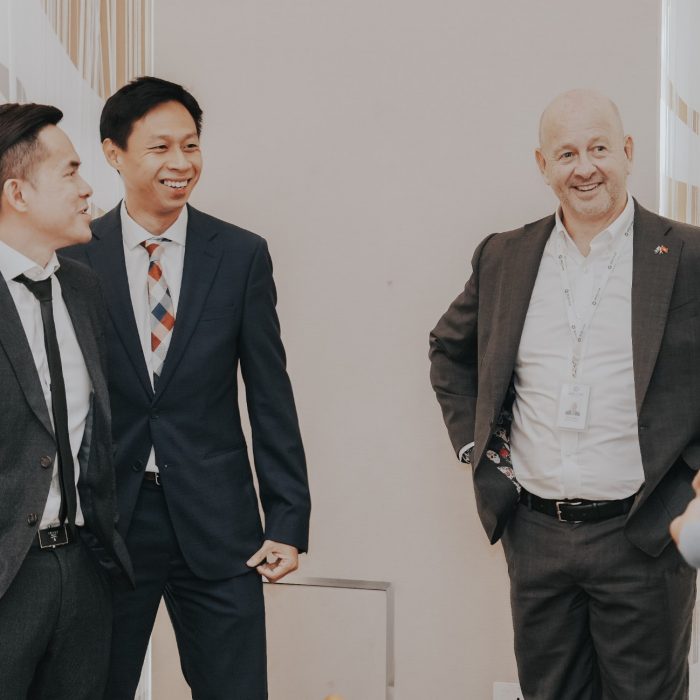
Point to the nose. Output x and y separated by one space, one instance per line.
178 160
584 167
85 189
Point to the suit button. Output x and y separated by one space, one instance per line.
32 519
137 466
46 461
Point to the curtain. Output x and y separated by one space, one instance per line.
680 111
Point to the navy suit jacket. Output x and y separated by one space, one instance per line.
226 319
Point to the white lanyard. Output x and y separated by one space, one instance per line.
578 333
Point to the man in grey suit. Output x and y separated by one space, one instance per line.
57 529
568 378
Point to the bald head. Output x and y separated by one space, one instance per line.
571 106
585 157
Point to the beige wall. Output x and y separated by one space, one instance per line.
374 143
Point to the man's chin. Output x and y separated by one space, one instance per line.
595 209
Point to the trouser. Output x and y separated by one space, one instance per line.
594 617
219 625
55 622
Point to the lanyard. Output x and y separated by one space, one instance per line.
578 333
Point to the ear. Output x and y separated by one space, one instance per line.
13 193
113 153
629 152
541 164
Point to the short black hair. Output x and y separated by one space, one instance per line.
20 149
133 101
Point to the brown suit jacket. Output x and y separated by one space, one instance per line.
474 346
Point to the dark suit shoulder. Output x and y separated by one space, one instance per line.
497 243
232 234
76 272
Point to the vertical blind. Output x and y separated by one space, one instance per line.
680 111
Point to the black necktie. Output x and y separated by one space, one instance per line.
66 474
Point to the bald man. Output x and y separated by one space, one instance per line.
568 378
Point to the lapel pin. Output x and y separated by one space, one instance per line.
660 250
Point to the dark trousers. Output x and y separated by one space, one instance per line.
594 617
219 625
55 622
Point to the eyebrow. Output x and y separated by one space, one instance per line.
169 137
74 164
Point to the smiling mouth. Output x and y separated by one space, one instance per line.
175 184
588 188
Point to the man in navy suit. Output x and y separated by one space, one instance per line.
191 299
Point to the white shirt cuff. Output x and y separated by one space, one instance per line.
464 449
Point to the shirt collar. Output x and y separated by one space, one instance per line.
13 264
134 234
608 235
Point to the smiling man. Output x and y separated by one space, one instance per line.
568 378
191 299
57 500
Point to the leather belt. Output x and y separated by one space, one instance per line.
52 537
152 477
576 510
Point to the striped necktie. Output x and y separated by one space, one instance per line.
162 310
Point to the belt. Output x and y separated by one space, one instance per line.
152 477
52 537
576 510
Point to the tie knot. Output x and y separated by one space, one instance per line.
41 289
154 247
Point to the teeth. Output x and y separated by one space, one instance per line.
587 188
176 184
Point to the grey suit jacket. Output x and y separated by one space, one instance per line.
27 440
474 346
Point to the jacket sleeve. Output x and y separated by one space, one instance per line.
278 451
454 359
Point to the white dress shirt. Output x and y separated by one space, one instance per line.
604 461
136 258
75 374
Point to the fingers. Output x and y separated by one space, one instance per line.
258 557
696 483
275 571
676 525
275 560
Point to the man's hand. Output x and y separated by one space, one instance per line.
279 560
692 512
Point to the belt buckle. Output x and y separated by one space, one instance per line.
157 478
560 517
52 537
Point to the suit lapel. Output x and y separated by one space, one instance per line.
14 342
106 254
202 258
520 268
652 284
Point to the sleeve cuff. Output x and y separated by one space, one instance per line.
464 451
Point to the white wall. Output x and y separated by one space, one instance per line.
374 143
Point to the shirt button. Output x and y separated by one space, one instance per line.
46 461
32 519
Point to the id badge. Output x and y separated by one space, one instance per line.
573 407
